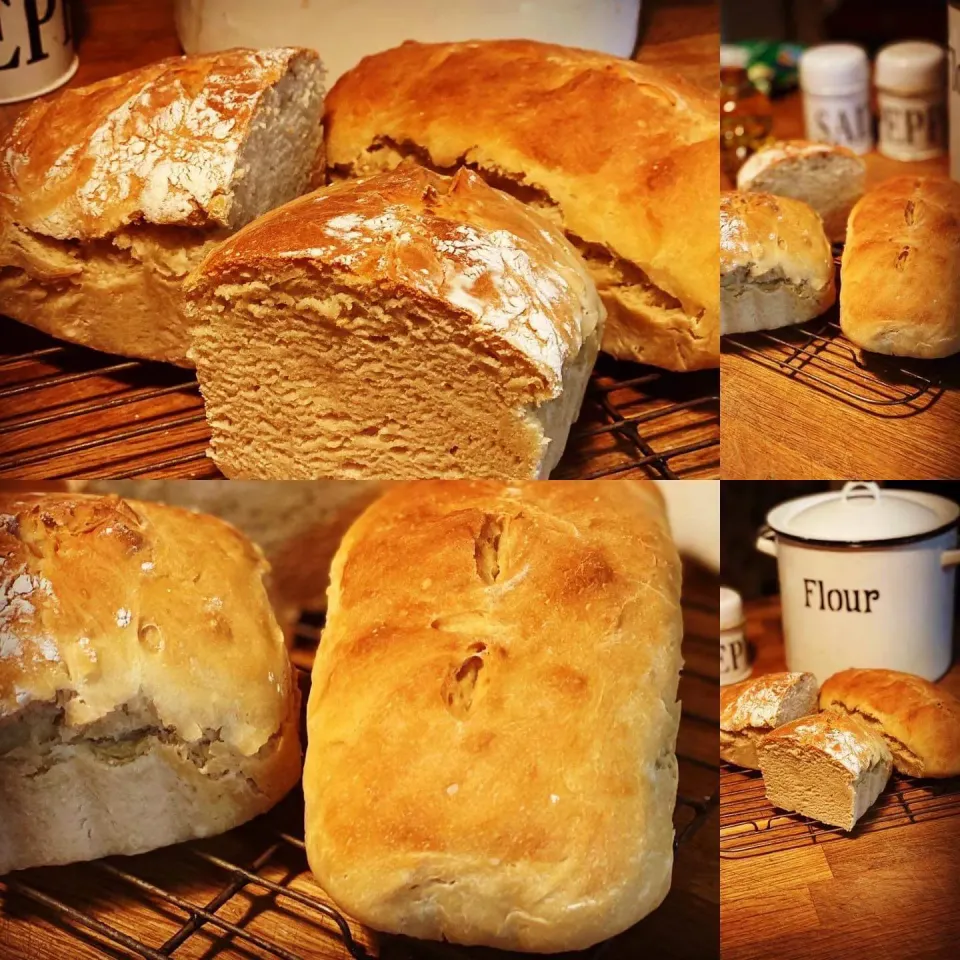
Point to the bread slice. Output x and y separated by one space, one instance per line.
776 265
110 194
622 156
146 697
919 721
828 177
751 709
403 326
826 766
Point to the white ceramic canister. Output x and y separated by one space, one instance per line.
734 652
344 33
36 48
911 97
866 579
835 78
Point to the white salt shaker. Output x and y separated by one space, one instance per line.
835 79
911 95
734 653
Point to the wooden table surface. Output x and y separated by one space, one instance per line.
777 428
889 895
147 421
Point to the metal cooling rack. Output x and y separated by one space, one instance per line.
818 355
278 836
751 826
69 412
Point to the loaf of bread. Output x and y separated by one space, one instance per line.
900 277
110 194
493 714
826 766
776 265
401 326
827 177
298 525
919 721
145 693
623 157
751 709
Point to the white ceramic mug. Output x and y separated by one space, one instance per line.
36 48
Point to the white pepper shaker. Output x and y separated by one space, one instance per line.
734 653
911 96
835 79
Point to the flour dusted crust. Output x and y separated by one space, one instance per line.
403 265
751 709
900 276
111 193
492 720
622 156
145 693
919 721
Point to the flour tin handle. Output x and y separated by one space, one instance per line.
949 558
767 542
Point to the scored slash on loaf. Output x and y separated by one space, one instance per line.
402 326
126 631
110 194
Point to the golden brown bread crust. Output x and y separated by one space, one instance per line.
919 720
900 277
623 156
493 717
136 641
520 288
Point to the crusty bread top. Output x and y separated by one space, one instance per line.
492 720
770 235
158 145
920 715
781 150
628 153
109 605
510 276
901 268
838 737
756 703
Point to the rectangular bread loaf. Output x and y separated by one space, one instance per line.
493 716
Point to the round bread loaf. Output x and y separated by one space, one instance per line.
145 692
776 265
402 326
110 194
828 177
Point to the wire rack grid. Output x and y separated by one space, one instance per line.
750 826
817 355
264 874
68 412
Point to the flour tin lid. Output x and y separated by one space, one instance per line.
863 514
731 609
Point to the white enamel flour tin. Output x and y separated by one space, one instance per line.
344 33
866 579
